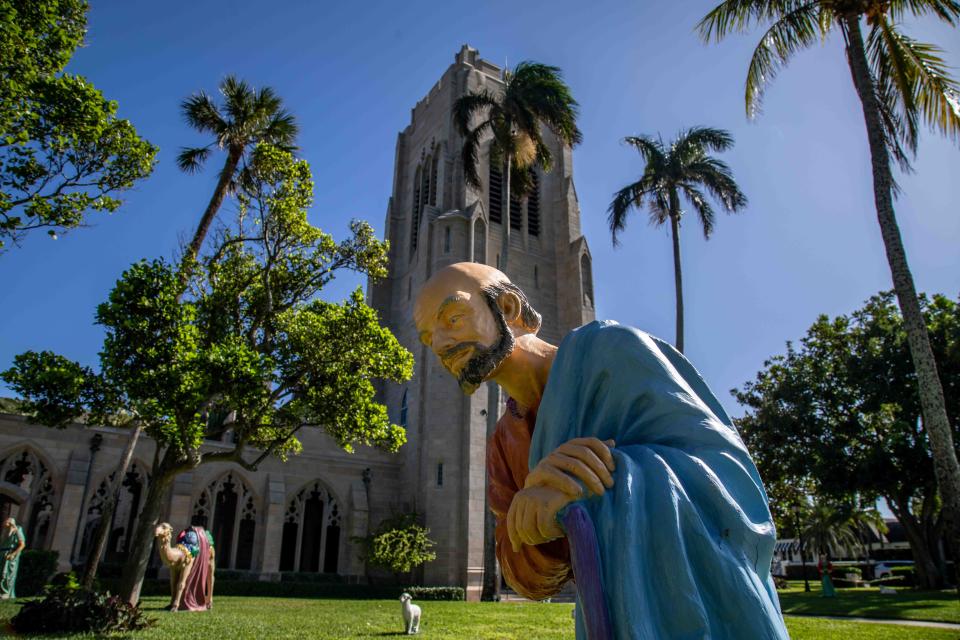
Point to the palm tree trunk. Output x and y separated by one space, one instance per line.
216 200
677 274
935 420
505 216
106 515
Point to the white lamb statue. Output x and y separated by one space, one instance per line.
411 614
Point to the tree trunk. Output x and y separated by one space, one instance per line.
677 275
505 216
142 544
216 200
925 566
935 420
106 515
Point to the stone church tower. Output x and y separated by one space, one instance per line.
434 219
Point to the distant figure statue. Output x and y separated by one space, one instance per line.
614 464
12 543
191 565
825 567
411 614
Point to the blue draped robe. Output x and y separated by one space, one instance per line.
685 536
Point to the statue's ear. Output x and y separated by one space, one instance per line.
511 307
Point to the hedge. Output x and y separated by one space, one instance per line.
36 568
318 589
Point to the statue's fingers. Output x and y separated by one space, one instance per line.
586 455
547 524
512 524
599 449
528 530
549 476
578 469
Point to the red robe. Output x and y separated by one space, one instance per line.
536 572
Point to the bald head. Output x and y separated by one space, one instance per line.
469 314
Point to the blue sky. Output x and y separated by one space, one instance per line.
808 243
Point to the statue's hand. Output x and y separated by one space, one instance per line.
532 517
585 459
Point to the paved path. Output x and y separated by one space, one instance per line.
906 623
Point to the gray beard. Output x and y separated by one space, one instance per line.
484 360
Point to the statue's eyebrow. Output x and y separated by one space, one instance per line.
450 300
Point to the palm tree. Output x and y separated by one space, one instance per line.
533 95
830 530
680 169
899 82
249 117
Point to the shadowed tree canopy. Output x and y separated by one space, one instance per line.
839 412
251 347
63 150
685 168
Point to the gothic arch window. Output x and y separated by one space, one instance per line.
533 205
516 211
495 193
311 531
433 178
446 239
426 183
132 491
228 509
415 213
26 470
403 410
480 241
536 277
586 280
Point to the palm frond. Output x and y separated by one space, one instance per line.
695 141
191 159
946 10
471 153
795 30
929 88
895 90
202 114
651 150
538 90
473 103
739 16
623 200
716 176
238 98
281 129
701 206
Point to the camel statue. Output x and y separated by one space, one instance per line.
179 560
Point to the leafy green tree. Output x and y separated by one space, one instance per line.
840 412
63 151
251 348
534 96
900 82
400 544
828 530
682 169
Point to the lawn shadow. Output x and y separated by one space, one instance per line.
392 633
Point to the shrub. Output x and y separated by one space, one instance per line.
399 544
846 570
436 593
66 610
36 567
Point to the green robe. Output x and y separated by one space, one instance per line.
8 568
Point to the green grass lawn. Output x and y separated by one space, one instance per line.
238 618
940 606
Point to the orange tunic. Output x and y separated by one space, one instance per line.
535 572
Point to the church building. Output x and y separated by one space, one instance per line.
300 515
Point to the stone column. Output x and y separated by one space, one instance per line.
273 528
68 511
359 526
